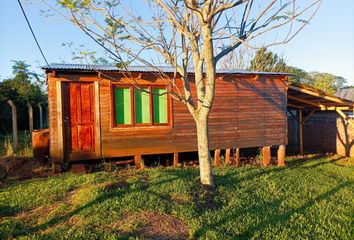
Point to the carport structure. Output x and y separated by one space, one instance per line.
307 100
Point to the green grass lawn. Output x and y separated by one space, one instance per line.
310 199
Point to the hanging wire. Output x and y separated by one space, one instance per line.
34 36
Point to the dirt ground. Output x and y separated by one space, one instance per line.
14 168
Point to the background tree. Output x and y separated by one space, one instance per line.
298 74
325 81
267 61
25 86
182 34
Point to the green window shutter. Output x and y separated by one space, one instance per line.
142 106
160 105
123 105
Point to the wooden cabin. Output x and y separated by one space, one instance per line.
96 112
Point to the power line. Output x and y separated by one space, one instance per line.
34 36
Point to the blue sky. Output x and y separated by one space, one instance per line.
326 45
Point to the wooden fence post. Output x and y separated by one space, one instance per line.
175 159
137 161
227 156
14 123
216 157
301 142
266 155
40 116
30 117
281 155
237 157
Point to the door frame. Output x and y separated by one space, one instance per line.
61 126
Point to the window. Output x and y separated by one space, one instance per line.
122 98
142 106
160 105
138 107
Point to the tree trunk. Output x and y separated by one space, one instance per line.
206 175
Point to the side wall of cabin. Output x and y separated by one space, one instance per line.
248 111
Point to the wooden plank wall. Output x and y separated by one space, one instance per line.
248 111
53 123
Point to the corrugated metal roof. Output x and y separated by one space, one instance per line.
164 69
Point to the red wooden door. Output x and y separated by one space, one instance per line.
79 119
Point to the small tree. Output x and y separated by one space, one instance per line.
182 34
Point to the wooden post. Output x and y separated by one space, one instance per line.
281 155
137 161
227 156
266 155
300 133
216 157
296 129
237 157
30 117
40 116
175 159
14 123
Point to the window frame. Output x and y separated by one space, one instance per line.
132 89
167 104
114 105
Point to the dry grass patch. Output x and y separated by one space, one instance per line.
37 215
180 199
14 168
116 185
152 226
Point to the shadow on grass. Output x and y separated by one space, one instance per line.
296 162
270 218
108 193
274 219
8 211
301 163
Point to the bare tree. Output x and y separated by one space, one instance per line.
238 59
182 34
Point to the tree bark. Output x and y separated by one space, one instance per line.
205 165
